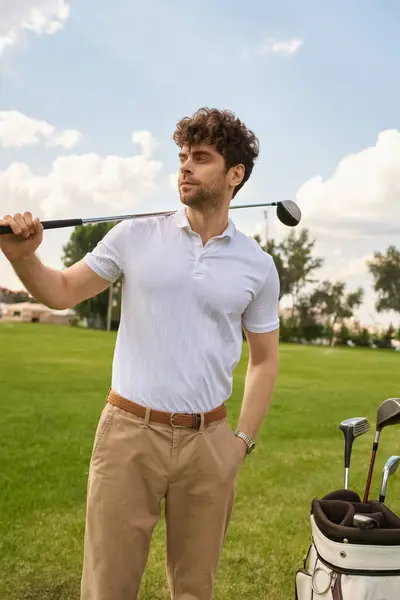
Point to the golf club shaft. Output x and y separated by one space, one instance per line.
371 466
369 478
348 444
74 222
346 478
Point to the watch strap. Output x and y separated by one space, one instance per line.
247 440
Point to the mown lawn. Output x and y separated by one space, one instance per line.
54 382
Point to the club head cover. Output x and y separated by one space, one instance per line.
345 495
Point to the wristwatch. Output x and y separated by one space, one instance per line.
247 440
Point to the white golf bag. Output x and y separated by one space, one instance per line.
345 562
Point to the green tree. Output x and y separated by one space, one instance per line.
363 338
84 239
360 336
307 318
334 304
385 270
388 336
299 262
273 249
344 335
295 263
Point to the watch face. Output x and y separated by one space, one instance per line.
251 447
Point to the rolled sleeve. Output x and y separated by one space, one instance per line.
262 314
108 257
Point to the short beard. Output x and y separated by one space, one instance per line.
206 200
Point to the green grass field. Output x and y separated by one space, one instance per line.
54 385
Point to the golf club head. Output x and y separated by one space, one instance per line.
392 464
352 428
355 425
389 469
388 413
288 213
364 522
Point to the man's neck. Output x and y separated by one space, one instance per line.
208 225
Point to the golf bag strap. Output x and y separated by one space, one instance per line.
337 588
191 420
305 559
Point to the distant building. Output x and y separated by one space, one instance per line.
28 312
11 296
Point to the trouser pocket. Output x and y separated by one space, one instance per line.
102 427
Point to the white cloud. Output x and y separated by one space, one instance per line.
146 141
362 197
77 185
288 47
352 214
69 138
351 268
272 46
173 180
17 129
43 17
7 40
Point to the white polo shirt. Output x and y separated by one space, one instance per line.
180 332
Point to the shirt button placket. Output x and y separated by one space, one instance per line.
199 253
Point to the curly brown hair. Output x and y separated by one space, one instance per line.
222 129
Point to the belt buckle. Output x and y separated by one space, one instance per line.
171 421
197 420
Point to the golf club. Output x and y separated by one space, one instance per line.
351 428
364 522
287 212
388 414
389 469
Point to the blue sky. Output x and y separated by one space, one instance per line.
115 68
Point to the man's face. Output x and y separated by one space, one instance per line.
203 180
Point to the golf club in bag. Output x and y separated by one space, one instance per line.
287 212
351 428
355 545
390 468
388 414
354 553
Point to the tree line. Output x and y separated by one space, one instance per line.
323 309
319 309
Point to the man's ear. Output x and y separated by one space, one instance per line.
236 175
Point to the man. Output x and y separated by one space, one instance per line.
190 283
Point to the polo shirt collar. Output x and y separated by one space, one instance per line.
182 221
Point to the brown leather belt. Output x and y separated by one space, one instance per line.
175 419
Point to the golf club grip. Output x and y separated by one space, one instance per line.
47 225
347 455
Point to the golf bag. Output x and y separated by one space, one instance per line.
345 562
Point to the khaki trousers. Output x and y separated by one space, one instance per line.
135 466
